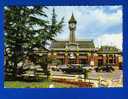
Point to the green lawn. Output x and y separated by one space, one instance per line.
43 84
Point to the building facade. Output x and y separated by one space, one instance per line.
73 51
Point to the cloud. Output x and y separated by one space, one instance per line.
115 39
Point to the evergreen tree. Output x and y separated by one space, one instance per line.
26 28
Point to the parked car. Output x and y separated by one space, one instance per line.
62 66
73 68
53 67
120 66
104 68
86 66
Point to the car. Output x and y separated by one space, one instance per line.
120 66
98 69
62 66
73 68
86 66
104 68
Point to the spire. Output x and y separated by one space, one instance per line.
72 19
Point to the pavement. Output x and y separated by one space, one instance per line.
117 74
115 78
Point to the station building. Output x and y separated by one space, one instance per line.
72 51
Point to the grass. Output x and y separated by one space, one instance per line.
43 84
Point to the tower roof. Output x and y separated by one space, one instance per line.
72 19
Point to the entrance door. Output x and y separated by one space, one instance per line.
100 62
72 61
83 61
61 61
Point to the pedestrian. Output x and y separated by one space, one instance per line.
51 86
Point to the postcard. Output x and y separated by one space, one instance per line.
63 47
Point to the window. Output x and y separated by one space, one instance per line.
84 61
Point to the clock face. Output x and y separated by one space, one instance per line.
72 25
72 47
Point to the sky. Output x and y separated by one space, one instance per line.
102 24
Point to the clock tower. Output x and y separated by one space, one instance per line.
72 27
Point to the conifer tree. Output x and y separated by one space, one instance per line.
26 27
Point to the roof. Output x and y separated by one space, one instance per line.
86 44
109 49
72 19
59 44
82 44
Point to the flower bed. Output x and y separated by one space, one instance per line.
78 83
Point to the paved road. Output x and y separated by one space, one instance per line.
106 75
94 75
